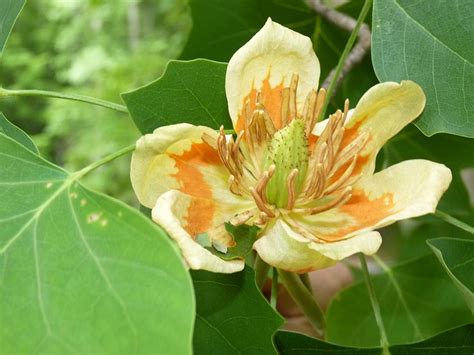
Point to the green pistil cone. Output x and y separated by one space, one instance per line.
288 150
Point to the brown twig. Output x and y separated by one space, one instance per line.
347 23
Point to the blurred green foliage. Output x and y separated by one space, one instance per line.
92 47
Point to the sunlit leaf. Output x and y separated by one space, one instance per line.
81 272
190 92
220 27
12 131
457 257
417 301
232 317
429 41
9 11
455 341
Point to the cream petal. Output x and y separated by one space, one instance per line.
266 63
381 113
170 213
409 189
175 157
282 247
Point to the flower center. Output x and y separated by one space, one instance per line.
288 152
290 169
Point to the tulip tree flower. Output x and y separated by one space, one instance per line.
309 186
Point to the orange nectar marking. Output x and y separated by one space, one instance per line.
271 100
361 162
351 133
312 139
366 212
202 207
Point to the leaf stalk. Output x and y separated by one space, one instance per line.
345 53
86 170
454 221
304 299
64 96
375 306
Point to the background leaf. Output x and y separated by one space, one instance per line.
190 92
220 27
232 317
12 131
9 11
428 41
417 301
455 341
457 257
81 272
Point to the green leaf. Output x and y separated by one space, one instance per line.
9 11
220 27
429 42
457 258
12 131
455 341
232 317
417 301
244 237
188 91
81 272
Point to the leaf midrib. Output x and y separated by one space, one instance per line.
431 34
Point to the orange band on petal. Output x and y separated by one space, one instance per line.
271 100
351 133
202 207
366 213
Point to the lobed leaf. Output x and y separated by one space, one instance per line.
417 301
12 131
191 92
9 11
427 41
232 317
220 27
457 258
451 342
81 272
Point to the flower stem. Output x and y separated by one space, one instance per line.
86 170
306 281
261 272
304 299
345 53
454 221
274 294
59 95
375 305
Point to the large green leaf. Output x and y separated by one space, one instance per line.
453 342
417 300
9 11
429 41
457 257
12 131
232 317
220 27
188 91
81 272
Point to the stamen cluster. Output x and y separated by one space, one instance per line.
318 180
